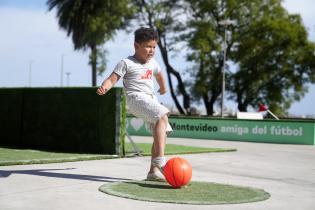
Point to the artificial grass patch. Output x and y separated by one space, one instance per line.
10 156
173 149
195 193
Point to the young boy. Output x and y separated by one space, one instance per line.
137 71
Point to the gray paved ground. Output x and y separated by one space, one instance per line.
287 172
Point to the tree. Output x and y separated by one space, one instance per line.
162 15
272 59
276 61
205 39
91 23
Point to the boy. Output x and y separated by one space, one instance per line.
137 71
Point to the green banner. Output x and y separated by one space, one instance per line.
269 131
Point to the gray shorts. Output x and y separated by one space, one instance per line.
146 107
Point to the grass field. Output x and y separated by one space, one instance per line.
173 149
9 156
194 193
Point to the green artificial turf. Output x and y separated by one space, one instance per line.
10 156
195 193
172 149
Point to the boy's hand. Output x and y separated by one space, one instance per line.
161 82
108 84
101 90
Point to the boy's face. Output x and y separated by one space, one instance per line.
145 50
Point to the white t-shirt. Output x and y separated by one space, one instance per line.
137 77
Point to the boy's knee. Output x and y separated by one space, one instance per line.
164 118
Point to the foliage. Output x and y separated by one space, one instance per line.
91 23
273 60
269 59
205 39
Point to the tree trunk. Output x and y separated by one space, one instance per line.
215 93
209 103
178 106
242 107
170 70
93 62
209 108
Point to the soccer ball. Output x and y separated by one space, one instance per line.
177 172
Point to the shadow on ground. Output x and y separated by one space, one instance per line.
54 174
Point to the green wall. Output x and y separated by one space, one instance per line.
62 119
268 131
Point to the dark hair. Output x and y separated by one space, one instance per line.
145 34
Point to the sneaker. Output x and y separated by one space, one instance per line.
154 177
159 162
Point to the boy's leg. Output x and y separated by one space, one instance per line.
158 146
149 109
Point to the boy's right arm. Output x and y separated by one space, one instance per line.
108 84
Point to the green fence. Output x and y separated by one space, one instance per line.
63 119
269 131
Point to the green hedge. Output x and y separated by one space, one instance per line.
63 119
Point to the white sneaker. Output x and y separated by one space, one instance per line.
159 162
154 177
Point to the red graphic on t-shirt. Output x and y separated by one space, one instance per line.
147 75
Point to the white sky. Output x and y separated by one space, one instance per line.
31 39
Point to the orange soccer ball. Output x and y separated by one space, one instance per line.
177 172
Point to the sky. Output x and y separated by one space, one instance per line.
35 52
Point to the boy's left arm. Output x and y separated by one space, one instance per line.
160 80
